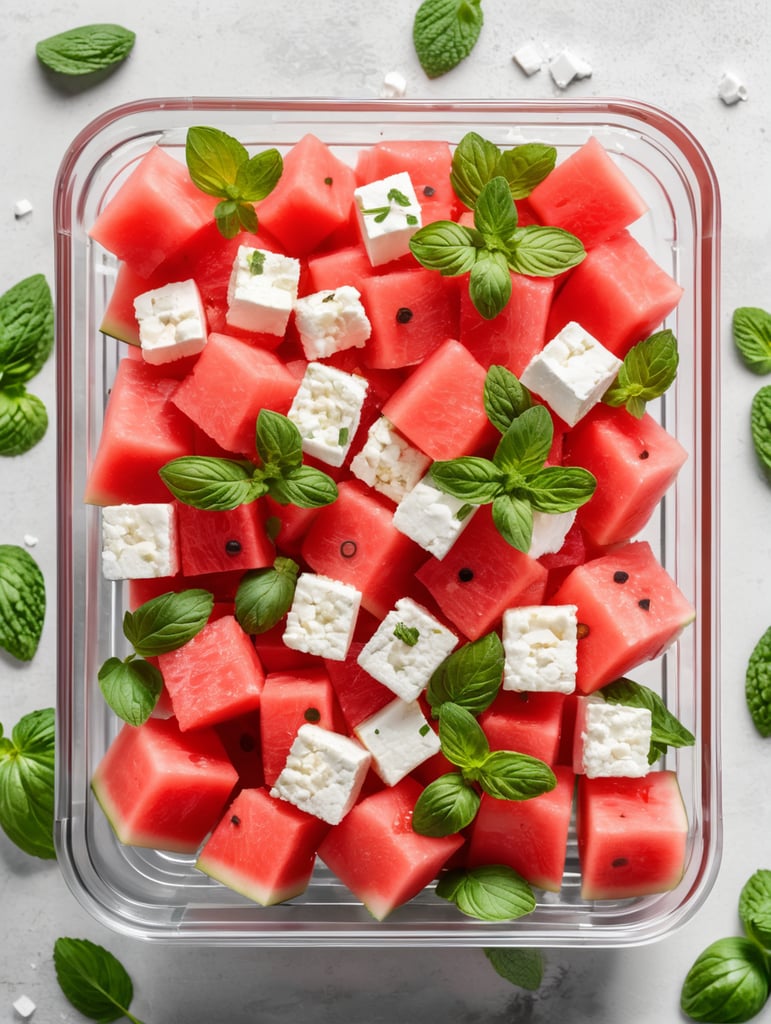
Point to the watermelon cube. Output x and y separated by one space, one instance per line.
240 737
222 541
358 694
330 270
428 164
530 723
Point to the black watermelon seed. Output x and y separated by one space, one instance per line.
246 742
465 575
403 315
619 862
233 547
348 548
644 453
235 820
620 576
312 715
582 630
428 190
644 603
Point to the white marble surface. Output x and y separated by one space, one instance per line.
670 55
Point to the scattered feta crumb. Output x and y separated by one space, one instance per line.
22 208
529 58
731 90
394 84
30 540
566 67
24 1007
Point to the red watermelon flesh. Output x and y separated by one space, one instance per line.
358 694
530 723
222 541
330 270
428 165
240 737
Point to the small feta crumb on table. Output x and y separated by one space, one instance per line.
540 648
730 89
326 409
323 774
612 740
139 541
406 648
528 57
394 84
22 208
331 321
399 739
389 214
262 290
572 372
566 67
171 321
431 518
388 463
322 617
30 540
24 1007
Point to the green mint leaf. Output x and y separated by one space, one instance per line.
213 159
304 487
279 443
504 397
131 688
258 176
491 892
468 478
23 420
495 215
526 166
445 806
407 634
246 215
489 284
544 252
168 621
27 784
666 730
755 907
22 602
760 425
752 337
558 489
80 51
526 444
648 369
26 329
470 677
474 163
93 980
520 966
758 684
462 738
727 982
264 596
513 518
508 775
445 32
211 483
227 216
446 246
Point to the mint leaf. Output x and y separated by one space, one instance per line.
27 784
468 478
463 740
760 425
445 806
279 443
26 329
648 369
666 730
264 596
474 163
508 775
752 337
558 489
758 684
93 980
526 166
168 621
489 284
213 159
446 246
526 444
495 215
727 982
407 634
81 51
504 397
22 602
470 677
522 967
445 32
131 688
513 518
23 420
212 483
304 487
492 892
258 176
755 907
544 252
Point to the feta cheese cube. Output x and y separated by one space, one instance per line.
326 409
540 648
331 321
139 541
389 214
611 739
388 463
322 617
566 67
431 518
323 774
572 372
549 531
730 89
399 739
171 322
262 290
528 57
406 648
24 1007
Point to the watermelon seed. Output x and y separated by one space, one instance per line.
403 315
327 181
312 715
645 603
348 548
428 190
246 743
619 862
233 547
582 630
620 576
644 453
235 820
465 575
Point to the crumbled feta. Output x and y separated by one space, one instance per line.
171 321
730 89
262 290
24 1007
322 617
30 540
139 541
323 774
326 410
22 208
394 84
549 532
613 739
539 646
388 463
528 57
572 372
399 739
330 321
431 518
406 665
389 214
566 67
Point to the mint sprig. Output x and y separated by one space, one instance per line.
751 328
93 980
87 49
476 161
27 783
444 32
264 596
22 602
491 892
647 371
220 166
666 729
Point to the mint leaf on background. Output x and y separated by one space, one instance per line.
758 684
760 425
93 980
755 907
445 32
27 784
80 51
26 329
23 420
752 337
22 602
727 982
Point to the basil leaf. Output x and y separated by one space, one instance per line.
513 518
27 784
489 283
526 443
469 677
26 329
522 967
492 892
758 684
80 51
495 215
504 397
264 596
279 443
755 907
558 489
257 177
168 621
508 775
23 420
213 158
211 483
544 252
445 806
304 487
760 425
666 730
751 328
648 369
468 478
462 738
445 32
727 982
526 166
474 163
93 980
131 688
445 246
22 602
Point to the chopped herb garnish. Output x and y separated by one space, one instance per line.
407 634
256 262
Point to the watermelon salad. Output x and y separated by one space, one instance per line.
405 516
